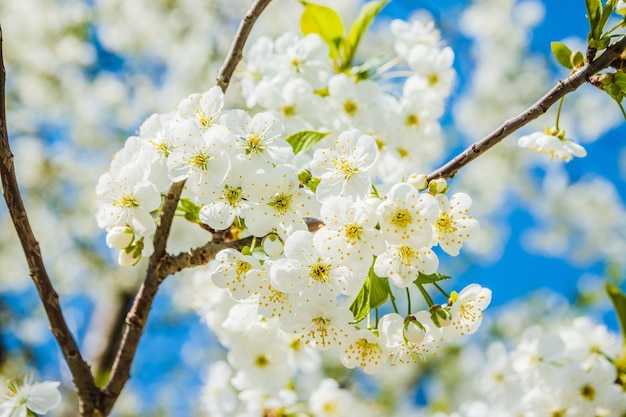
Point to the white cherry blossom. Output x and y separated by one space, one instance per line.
343 169
406 216
316 273
454 224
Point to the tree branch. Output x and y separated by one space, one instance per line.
562 88
236 49
80 370
138 315
159 265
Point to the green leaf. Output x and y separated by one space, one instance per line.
303 140
325 22
360 307
373 294
607 11
379 291
594 14
363 21
562 54
619 79
577 59
430 279
619 302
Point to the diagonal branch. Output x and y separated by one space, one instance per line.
81 372
157 268
562 88
236 49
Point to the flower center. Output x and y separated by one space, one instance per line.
242 268
353 232
200 160
289 111
401 218
369 351
411 120
162 147
406 253
261 361
202 119
281 203
319 271
445 224
127 201
588 392
232 195
346 168
350 107
254 144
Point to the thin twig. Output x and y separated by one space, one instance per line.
80 370
158 267
236 49
562 88
203 254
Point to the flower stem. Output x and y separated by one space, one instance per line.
558 113
408 297
441 290
426 296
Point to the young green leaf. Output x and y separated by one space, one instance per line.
379 289
594 14
619 302
360 307
577 59
325 22
607 11
363 21
562 54
303 140
430 279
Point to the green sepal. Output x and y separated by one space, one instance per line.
303 140
562 54
619 303
363 21
325 22
191 211
430 279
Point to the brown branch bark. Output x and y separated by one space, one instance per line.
236 49
80 370
562 88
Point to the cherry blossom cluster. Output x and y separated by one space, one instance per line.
325 189
566 368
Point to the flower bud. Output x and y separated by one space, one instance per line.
419 181
438 186
272 246
120 237
128 258
440 315
414 331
